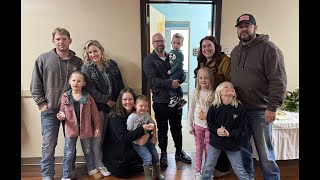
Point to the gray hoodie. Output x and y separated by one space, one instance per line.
50 78
258 74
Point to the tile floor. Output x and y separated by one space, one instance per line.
188 144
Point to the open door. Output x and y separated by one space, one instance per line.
156 23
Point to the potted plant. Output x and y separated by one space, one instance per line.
291 101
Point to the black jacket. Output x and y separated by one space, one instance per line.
98 89
235 122
156 71
117 146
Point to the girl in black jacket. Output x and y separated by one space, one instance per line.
227 123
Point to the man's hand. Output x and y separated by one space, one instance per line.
175 84
44 108
269 116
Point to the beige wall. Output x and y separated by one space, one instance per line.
116 24
278 19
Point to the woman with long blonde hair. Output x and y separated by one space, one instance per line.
104 83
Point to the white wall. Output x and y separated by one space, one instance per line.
278 19
116 24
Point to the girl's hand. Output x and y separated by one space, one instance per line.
222 132
154 140
191 131
61 116
96 133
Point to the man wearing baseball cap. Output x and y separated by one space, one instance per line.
259 77
246 18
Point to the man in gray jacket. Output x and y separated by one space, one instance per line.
49 80
259 76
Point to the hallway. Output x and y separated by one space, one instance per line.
188 144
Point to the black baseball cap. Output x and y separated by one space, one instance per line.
246 18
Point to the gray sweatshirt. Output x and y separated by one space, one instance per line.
50 78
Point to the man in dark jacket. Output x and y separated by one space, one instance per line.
259 76
155 67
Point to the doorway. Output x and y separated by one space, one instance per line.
194 19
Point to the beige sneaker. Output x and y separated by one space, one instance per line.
95 174
104 171
197 176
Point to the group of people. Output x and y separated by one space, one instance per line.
235 98
248 88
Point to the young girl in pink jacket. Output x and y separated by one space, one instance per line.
81 117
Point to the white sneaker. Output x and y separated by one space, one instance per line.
65 178
104 171
197 176
173 101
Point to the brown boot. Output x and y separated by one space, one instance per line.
147 173
156 172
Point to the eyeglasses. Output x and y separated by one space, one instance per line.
247 26
158 41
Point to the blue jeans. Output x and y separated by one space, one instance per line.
211 162
262 136
97 141
50 130
70 152
181 76
148 153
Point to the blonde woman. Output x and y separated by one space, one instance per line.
104 82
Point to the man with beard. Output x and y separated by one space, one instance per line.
155 67
259 76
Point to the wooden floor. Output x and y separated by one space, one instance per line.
175 171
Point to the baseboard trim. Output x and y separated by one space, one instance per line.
58 160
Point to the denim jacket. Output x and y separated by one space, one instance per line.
98 89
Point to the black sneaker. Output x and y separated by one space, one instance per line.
173 101
181 103
163 160
182 156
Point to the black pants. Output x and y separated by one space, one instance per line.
163 114
223 163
